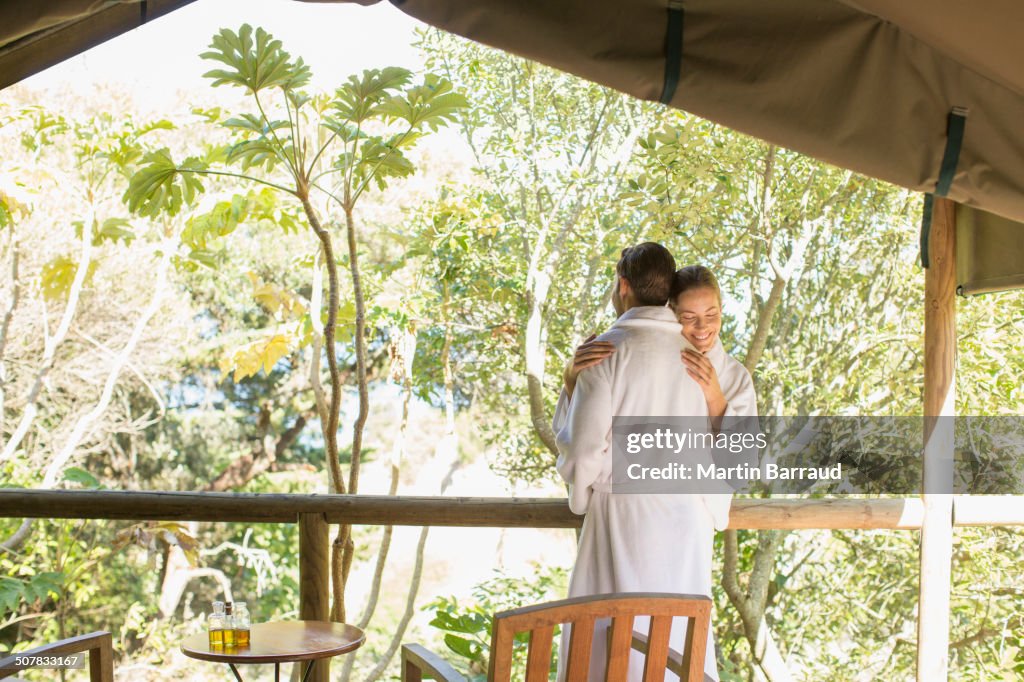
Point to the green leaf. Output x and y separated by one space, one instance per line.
14 592
58 275
254 124
204 257
431 105
161 186
346 131
79 475
358 100
254 64
11 591
380 159
161 124
259 153
113 230
463 647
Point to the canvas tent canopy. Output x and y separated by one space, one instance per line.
926 94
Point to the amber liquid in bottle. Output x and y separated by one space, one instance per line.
242 637
229 627
215 624
216 639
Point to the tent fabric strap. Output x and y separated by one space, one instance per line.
956 123
673 50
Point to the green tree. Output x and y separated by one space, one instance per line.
339 146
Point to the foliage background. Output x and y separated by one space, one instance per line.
501 265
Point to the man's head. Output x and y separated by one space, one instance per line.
644 276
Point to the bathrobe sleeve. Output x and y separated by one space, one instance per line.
561 417
584 442
740 398
740 416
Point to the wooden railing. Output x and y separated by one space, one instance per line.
314 514
500 512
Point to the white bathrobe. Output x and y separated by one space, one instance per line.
640 542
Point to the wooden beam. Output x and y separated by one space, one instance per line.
939 410
314 579
40 50
282 508
494 512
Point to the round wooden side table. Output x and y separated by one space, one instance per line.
280 642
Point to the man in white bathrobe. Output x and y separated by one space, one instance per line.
635 542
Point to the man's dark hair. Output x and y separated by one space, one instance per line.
649 268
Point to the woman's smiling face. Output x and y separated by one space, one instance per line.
700 313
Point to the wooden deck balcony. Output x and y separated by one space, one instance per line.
315 513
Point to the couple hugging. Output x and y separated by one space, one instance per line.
661 357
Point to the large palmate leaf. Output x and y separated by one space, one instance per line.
109 230
163 186
431 105
345 130
260 147
261 208
219 221
381 159
250 123
259 153
357 100
58 275
254 61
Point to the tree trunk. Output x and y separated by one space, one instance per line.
404 351
84 424
51 343
5 327
330 429
751 603
343 547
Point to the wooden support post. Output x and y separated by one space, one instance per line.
939 410
314 578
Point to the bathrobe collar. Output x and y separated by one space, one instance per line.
663 316
647 316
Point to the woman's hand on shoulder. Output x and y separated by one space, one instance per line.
700 368
588 354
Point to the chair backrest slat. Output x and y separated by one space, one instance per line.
580 640
619 648
657 649
500 667
696 644
580 614
538 660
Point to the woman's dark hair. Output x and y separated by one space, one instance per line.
649 269
694 277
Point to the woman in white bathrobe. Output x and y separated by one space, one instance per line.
624 560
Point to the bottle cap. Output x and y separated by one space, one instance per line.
228 607
218 606
240 604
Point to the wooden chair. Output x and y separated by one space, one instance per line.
99 645
582 613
